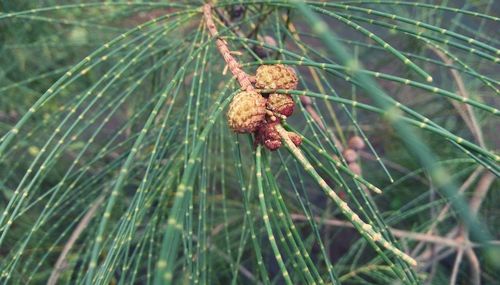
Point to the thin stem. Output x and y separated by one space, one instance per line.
234 66
456 266
462 109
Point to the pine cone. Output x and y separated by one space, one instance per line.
246 112
281 103
277 76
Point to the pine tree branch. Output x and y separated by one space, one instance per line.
242 77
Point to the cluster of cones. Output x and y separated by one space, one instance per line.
259 112
350 154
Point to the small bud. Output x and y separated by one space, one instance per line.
350 155
246 112
356 143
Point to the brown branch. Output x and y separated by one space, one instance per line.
475 202
465 111
475 268
444 211
462 237
456 266
234 66
61 262
478 196
480 192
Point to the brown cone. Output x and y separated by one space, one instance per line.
246 112
281 103
277 76
350 155
356 143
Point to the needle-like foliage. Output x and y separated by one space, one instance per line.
117 165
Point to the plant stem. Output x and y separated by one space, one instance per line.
234 66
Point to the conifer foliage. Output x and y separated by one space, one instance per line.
249 142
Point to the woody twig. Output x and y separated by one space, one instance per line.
233 65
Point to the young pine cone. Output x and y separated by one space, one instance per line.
356 143
277 76
247 112
281 103
269 136
271 139
350 155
